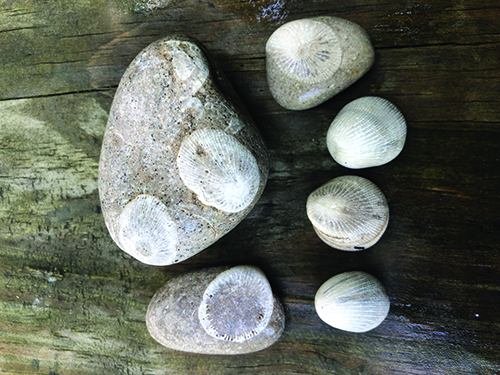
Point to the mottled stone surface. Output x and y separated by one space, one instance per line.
168 92
310 60
173 317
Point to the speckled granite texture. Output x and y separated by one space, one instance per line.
170 91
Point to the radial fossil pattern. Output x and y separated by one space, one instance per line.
352 301
237 305
348 213
305 50
219 169
169 97
367 132
147 231
310 60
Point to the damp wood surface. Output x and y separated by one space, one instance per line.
71 302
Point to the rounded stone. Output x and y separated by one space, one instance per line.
310 60
218 310
182 162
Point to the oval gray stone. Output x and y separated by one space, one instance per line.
245 316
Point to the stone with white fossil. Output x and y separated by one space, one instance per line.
182 162
310 60
219 310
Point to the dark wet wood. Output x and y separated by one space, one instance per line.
72 303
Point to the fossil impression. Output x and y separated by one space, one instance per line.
348 213
310 60
352 301
367 132
217 310
181 162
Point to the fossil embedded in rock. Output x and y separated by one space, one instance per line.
147 228
220 170
216 311
182 162
367 132
237 304
305 50
310 60
352 301
348 213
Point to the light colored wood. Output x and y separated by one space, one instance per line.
71 302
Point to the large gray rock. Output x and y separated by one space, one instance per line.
217 310
181 162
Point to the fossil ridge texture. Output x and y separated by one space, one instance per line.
368 132
310 60
218 310
182 162
348 213
352 301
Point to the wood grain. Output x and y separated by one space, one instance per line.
71 302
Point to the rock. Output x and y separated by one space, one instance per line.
217 310
181 162
310 60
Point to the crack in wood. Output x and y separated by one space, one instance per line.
431 45
58 62
88 35
60 94
20 29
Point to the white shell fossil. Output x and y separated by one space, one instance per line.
308 50
181 162
310 60
367 132
146 228
216 311
220 170
348 213
246 311
352 301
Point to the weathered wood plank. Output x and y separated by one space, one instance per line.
71 302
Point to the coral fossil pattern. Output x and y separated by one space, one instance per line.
352 301
181 162
217 310
348 213
310 60
367 132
